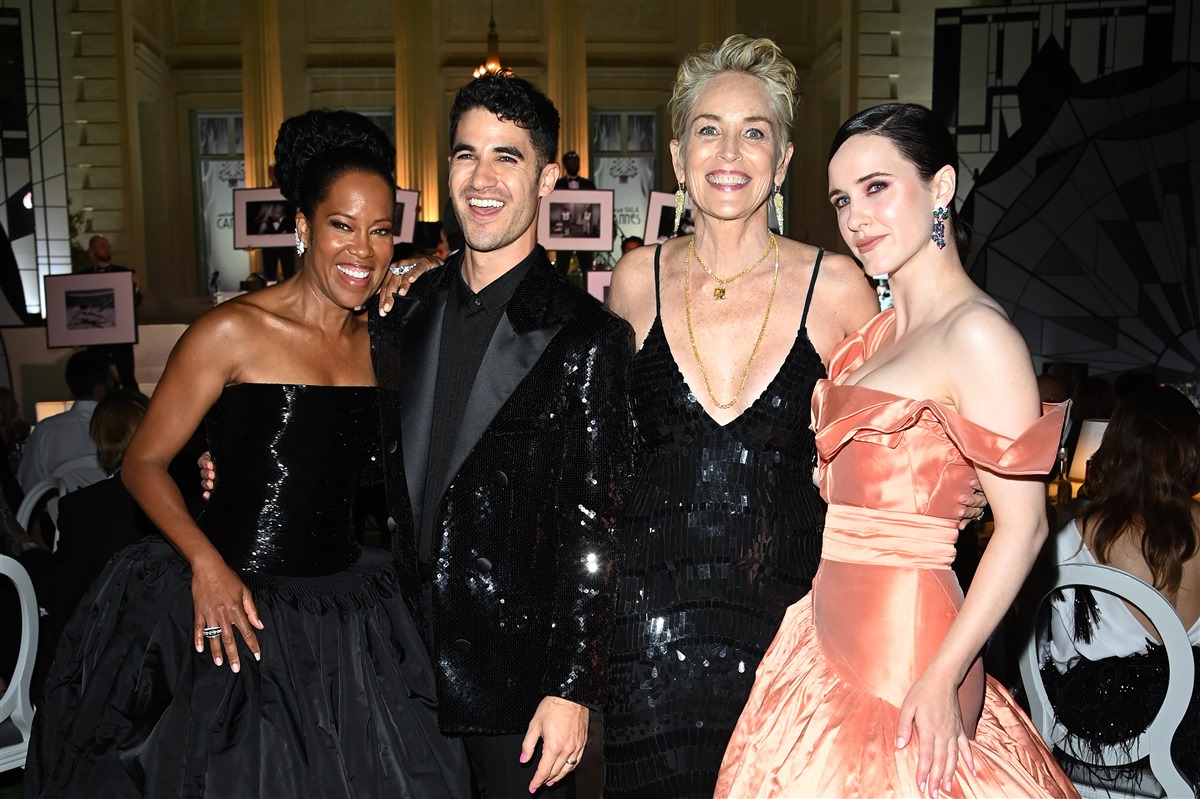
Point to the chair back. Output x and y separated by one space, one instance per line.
16 710
1155 741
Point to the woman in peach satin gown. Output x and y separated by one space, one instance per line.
873 686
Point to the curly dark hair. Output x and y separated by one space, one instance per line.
515 100
316 148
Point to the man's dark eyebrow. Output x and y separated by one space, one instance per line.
462 147
510 150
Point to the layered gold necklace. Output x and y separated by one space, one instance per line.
719 291
687 306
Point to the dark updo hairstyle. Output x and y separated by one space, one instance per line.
316 148
920 137
515 100
1142 480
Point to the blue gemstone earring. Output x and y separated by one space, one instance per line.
940 215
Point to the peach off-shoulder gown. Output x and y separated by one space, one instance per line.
822 717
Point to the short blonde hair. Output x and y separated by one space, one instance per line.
760 58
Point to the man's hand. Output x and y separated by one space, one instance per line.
208 473
563 727
972 505
397 284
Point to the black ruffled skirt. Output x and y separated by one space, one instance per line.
342 703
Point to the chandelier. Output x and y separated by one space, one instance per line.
491 65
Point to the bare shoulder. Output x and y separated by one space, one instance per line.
632 293
988 366
980 328
221 333
843 300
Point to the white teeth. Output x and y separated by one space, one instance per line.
359 274
479 202
728 180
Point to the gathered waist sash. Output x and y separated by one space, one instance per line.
888 538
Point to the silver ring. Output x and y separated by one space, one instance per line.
399 270
570 762
212 632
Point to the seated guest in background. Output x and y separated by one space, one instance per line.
97 520
1143 520
64 438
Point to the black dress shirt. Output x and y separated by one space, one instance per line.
467 329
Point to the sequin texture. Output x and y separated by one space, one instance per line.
299 522
724 533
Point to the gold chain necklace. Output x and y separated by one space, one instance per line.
719 291
687 306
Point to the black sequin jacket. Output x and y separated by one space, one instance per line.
527 542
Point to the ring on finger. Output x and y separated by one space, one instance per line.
212 632
571 762
400 270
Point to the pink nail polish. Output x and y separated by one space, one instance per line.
525 759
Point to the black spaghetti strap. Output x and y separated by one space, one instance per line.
657 302
812 284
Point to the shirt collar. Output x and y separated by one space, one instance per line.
494 295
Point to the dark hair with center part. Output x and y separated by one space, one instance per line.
514 100
921 138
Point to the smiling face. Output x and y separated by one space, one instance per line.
496 185
349 238
730 160
884 207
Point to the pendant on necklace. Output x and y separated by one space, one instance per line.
719 293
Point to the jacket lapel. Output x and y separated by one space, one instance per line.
421 343
529 325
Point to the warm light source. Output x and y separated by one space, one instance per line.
1090 435
491 64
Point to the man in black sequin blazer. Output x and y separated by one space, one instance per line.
507 439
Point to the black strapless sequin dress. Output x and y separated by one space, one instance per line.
724 534
342 703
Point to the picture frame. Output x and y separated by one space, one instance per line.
577 220
90 308
262 218
598 281
404 218
660 218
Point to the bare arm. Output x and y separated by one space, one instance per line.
632 293
992 383
202 363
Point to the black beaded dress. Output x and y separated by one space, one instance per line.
724 534
342 703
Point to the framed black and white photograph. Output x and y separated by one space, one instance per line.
660 218
640 130
404 218
262 218
88 309
577 219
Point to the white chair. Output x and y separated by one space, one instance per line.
41 494
1163 777
16 711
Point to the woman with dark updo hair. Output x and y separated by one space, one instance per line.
258 651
